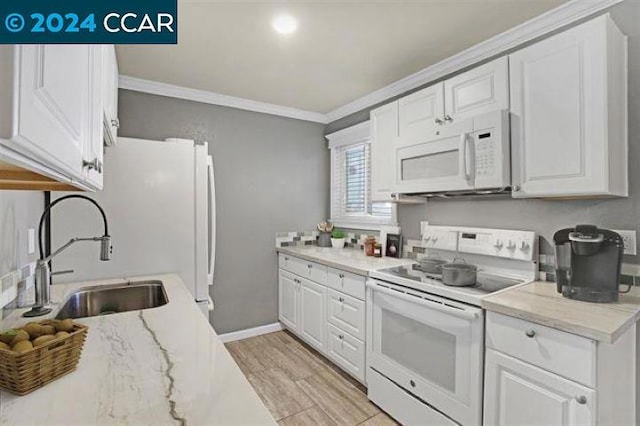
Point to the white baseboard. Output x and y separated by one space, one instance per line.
250 332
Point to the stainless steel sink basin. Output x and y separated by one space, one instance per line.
112 299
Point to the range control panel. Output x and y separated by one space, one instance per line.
510 244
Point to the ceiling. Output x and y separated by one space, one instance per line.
341 51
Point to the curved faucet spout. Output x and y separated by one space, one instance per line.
43 272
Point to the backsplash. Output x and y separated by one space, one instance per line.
294 238
413 249
19 212
354 239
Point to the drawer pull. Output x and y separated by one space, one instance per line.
341 299
286 258
412 383
340 336
581 399
530 334
341 276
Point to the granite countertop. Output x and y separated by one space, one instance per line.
163 365
347 259
539 302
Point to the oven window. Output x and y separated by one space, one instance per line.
437 165
424 350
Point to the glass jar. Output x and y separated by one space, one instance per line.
369 242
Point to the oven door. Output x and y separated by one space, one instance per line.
444 164
430 346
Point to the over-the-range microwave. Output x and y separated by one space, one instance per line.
471 156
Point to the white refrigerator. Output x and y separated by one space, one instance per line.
159 198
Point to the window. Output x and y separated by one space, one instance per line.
351 204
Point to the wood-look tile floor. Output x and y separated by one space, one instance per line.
300 387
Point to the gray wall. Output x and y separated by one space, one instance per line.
542 216
19 211
272 174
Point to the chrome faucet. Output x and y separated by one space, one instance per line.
43 272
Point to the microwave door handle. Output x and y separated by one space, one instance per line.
464 141
460 313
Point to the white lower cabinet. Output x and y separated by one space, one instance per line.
288 299
537 375
517 393
312 306
311 326
346 351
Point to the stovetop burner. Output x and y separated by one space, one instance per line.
485 283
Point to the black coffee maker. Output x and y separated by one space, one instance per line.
588 263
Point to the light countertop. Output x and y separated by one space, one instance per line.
539 302
157 366
347 259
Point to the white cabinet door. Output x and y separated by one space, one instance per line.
110 93
94 146
54 106
568 104
313 313
288 288
421 115
478 91
517 393
384 132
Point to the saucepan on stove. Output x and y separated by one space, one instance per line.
432 264
459 273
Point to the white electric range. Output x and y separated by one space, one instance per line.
425 340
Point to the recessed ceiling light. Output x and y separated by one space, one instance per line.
284 24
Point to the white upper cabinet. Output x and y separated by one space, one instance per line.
480 90
423 114
569 114
384 132
110 94
52 112
420 115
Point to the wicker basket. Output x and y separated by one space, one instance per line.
22 373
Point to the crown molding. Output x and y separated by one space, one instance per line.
173 91
538 26
552 20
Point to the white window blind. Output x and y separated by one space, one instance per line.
351 189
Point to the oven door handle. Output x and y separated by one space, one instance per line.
436 306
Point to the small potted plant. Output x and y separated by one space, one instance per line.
337 238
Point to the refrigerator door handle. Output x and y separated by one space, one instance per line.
212 220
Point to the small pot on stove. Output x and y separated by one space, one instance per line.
459 273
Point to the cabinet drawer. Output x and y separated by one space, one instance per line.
304 268
562 353
347 283
402 406
346 313
346 351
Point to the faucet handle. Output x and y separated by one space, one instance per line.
66 271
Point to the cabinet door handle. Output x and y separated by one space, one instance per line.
286 258
341 299
309 266
516 188
581 399
115 122
412 383
95 165
530 333
341 276
438 121
340 336
448 118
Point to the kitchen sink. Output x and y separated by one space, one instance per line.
113 299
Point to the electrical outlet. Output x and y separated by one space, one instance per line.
629 238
